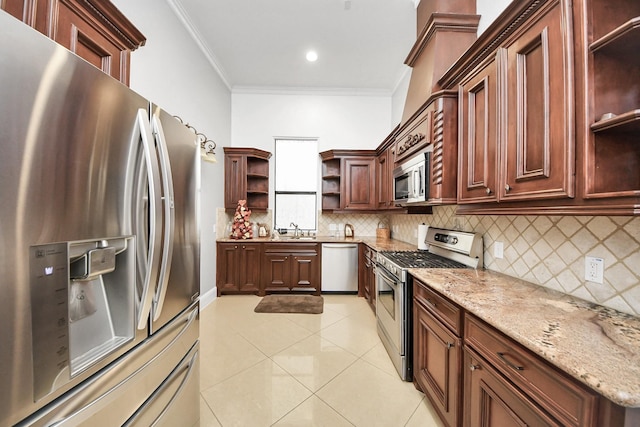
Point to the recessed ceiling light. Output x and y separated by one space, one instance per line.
312 56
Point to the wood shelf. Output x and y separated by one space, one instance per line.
623 40
627 122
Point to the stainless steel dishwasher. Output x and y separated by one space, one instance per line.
340 267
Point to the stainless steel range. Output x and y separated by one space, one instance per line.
447 249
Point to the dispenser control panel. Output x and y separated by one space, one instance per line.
49 278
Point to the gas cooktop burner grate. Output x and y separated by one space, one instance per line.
420 259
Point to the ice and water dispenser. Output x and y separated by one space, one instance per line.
82 306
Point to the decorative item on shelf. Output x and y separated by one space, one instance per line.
382 232
262 230
241 226
207 146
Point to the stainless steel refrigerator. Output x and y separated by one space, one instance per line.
99 246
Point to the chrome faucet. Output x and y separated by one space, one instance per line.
295 231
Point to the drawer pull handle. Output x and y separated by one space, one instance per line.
474 367
431 303
509 364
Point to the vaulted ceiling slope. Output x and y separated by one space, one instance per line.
261 44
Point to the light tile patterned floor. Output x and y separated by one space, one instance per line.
301 370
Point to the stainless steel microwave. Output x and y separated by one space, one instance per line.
411 180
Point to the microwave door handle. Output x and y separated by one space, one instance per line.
416 183
143 126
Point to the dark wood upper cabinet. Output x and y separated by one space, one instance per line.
549 94
95 30
349 180
246 177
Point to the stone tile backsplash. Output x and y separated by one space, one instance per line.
545 250
550 250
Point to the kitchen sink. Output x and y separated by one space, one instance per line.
297 238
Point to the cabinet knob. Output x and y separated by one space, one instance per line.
450 345
507 187
244 247
488 191
474 367
235 247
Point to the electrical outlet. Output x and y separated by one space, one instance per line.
498 250
594 269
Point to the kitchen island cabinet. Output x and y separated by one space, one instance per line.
95 30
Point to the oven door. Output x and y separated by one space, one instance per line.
390 309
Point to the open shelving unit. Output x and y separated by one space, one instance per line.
246 177
331 184
613 151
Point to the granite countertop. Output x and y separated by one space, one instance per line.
598 346
373 242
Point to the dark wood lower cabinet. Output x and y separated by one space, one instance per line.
490 401
238 268
291 268
367 275
261 268
436 364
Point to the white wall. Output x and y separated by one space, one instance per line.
171 71
489 10
338 121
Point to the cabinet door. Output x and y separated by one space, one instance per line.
276 272
478 143
249 268
75 30
359 183
491 401
235 183
436 364
228 257
539 151
383 178
305 271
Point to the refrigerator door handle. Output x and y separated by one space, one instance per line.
186 369
155 218
169 218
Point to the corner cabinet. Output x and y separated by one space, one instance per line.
95 30
348 180
246 177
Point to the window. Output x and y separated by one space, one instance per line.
296 183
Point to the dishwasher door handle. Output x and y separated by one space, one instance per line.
340 245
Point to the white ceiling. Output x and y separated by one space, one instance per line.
261 44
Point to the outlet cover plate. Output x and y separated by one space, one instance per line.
594 269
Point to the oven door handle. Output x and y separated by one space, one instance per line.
393 281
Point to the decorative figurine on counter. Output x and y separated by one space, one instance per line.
241 227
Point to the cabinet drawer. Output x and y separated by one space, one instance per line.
565 399
444 310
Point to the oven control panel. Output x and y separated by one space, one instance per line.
445 238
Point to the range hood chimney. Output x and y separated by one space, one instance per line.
446 29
